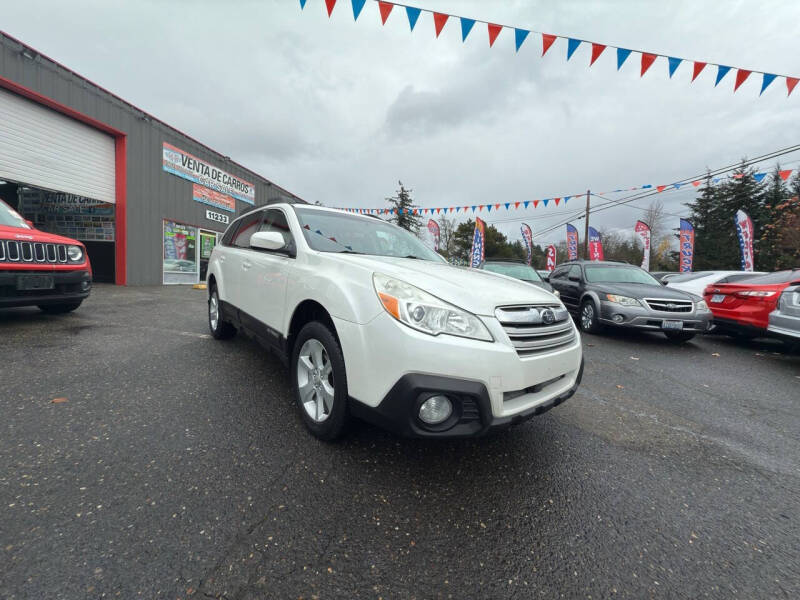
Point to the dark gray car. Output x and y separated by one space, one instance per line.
784 321
517 269
603 293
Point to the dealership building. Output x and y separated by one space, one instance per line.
148 201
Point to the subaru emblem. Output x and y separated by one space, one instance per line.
548 316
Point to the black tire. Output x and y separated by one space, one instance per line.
588 317
679 336
220 330
337 418
59 309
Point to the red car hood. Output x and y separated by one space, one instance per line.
33 235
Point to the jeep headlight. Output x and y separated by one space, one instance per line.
623 300
422 311
75 253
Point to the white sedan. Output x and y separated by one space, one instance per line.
696 283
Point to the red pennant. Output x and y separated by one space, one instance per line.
497 207
535 203
647 60
438 209
785 174
494 31
385 8
439 20
597 50
738 175
330 4
698 68
547 41
695 183
516 204
790 83
741 77
557 200
661 188
480 207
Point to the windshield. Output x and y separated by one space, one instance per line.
689 276
515 270
776 277
327 231
10 217
607 274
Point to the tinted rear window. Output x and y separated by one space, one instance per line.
776 277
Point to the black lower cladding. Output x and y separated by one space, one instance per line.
68 286
472 411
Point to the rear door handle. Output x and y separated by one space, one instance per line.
246 265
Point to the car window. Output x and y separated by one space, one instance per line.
575 271
777 277
516 270
559 273
250 224
618 274
275 220
735 277
689 276
10 217
231 231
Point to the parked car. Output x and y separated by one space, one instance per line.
742 309
39 268
518 269
696 283
600 293
543 274
784 321
664 276
373 323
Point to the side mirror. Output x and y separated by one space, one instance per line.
267 240
546 278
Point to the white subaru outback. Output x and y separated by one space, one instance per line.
374 324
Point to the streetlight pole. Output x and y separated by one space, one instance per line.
586 231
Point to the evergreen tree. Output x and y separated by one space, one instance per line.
774 196
404 210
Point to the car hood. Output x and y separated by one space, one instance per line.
475 290
639 290
33 235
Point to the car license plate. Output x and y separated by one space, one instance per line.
717 298
671 324
35 282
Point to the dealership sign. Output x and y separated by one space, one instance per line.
213 198
218 217
190 167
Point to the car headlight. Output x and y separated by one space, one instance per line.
623 300
702 306
75 253
424 312
557 294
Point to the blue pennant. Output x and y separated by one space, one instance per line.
566 198
458 208
673 65
302 4
526 203
466 27
545 201
357 6
644 187
519 36
677 185
768 78
721 72
473 208
622 56
759 176
489 208
507 205
572 45
413 15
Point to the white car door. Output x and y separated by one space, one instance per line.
238 260
263 287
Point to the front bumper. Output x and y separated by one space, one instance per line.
640 317
70 286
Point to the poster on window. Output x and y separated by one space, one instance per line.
180 253
207 243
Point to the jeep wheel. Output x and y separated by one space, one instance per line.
588 317
59 309
679 336
220 330
319 381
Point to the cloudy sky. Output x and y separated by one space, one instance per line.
337 111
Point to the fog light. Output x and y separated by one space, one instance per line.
618 318
435 410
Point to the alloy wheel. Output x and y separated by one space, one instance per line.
213 311
315 380
587 316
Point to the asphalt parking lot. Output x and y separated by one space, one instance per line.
139 458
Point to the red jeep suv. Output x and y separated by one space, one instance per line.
39 268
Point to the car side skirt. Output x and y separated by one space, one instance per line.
268 337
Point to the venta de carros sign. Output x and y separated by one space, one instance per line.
184 165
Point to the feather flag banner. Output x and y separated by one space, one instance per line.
548 39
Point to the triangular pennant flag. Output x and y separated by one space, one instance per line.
413 15
480 207
536 203
494 31
597 50
644 187
439 20
386 9
566 198
790 83
519 37
438 209
516 204
302 4
357 6
622 56
759 176
547 41
647 60
695 183
466 27
661 188
526 203
473 208
507 204
768 78
698 68
677 185
329 4
674 63
497 206
545 201
489 208
741 77
572 45
721 72
557 200
785 174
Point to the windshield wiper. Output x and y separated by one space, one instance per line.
413 256
348 252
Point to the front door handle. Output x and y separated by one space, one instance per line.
246 265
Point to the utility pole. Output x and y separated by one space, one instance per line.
586 232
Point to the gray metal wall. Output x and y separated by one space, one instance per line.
152 193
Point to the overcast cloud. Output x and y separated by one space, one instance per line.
338 111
